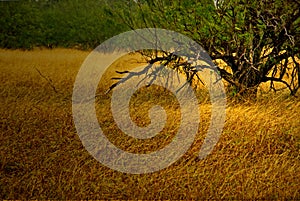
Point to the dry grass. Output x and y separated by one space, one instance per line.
43 158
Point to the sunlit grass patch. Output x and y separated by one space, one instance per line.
42 156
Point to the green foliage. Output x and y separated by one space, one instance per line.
68 23
20 25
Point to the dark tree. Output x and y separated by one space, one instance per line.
259 41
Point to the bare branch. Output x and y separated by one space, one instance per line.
48 80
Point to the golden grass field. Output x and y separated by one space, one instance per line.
42 157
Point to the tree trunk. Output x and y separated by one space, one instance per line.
248 82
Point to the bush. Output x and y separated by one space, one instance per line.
81 24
